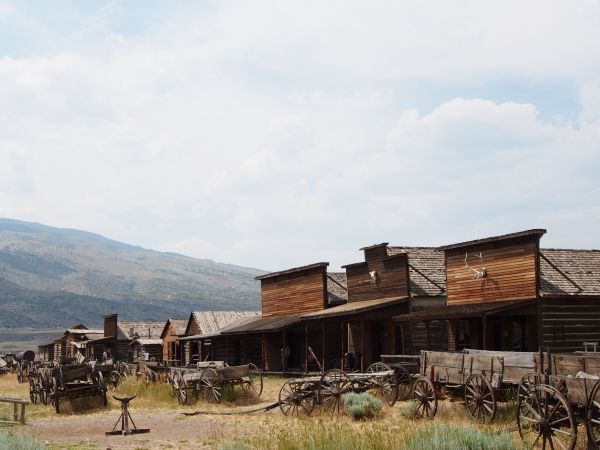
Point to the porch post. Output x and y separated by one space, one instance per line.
484 328
262 351
342 346
226 349
362 344
283 359
323 343
306 346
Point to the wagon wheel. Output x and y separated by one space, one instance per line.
181 390
33 391
545 419
479 398
332 387
425 397
254 381
114 380
54 395
384 387
209 386
101 387
592 419
296 398
528 382
42 388
404 383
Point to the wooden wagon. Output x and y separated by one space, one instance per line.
477 376
564 391
209 378
300 396
68 382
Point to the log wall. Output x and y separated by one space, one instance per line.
568 322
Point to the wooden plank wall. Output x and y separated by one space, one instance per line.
511 272
294 293
391 277
568 322
170 338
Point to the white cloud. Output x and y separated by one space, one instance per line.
273 136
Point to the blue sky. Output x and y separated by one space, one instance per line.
275 134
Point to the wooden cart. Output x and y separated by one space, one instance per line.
563 392
300 396
209 379
476 376
69 382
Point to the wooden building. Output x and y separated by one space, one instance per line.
75 339
46 352
313 319
206 322
172 351
118 335
505 293
140 346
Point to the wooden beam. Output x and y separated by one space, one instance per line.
342 346
484 331
283 358
362 344
323 343
306 347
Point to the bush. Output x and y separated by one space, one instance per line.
19 442
361 406
443 437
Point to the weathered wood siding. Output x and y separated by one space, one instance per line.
569 322
170 347
294 293
511 272
391 281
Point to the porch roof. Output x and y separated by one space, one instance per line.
264 324
239 322
462 311
355 308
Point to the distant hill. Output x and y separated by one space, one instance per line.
54 277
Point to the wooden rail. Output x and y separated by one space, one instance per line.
16 402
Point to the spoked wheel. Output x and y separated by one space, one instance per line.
296 398
254 381
42 388
54 396
181 390
528 382
333 386
425 397
101 386
114 380
592 419
383 382
33 391
404 382
209 386
479 398
545 419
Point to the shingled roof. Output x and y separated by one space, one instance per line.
211 321
145 330
569 272
337 288
426 269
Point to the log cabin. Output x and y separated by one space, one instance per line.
507 293
172 351
206 322
118 335
140 346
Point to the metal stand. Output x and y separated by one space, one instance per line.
124 418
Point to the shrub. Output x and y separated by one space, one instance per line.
19 442
443 437
361 406
411 412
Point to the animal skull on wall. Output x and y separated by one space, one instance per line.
373 275
478 274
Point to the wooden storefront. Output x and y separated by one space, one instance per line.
172 350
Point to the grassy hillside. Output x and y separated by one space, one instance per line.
56 277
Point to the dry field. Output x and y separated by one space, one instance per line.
171 429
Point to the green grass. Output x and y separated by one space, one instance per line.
324 434
16 441
444 437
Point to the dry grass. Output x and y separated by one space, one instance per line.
261 430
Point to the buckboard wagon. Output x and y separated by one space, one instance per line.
209 379
561 393
52 385
300 396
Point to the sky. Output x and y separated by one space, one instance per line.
276 134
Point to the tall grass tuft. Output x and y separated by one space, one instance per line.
15 441
444 437
362 406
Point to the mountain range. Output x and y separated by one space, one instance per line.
56 277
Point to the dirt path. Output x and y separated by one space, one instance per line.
168 429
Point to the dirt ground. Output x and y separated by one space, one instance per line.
170 428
